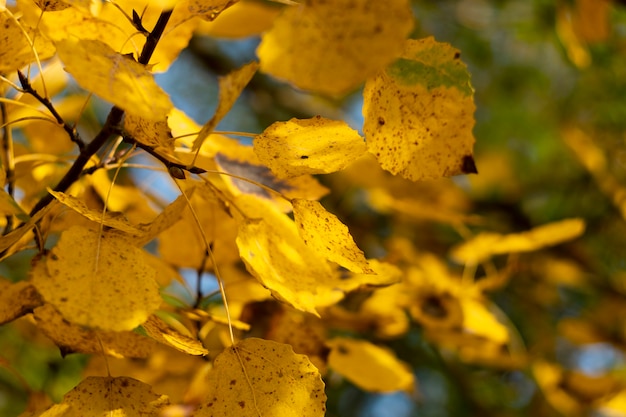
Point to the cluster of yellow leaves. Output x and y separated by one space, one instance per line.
253 219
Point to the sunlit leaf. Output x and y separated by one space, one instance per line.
15 48
484 245
110 397
370 367
419 113
169 216
72 338
230 86
114 77
259 377
154 133
161 332
328 236
244 18
332 47
309 146
97 281
17 299
113 220
8 206
477 319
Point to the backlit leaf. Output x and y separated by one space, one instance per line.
72 338
15 49
332 47
114 77
154 133
116 221
419 113
484 245
230 87
309 146
259 377
370 367
169 216
244 18
97 281
17 300
161 332
110 397
328 236
8 206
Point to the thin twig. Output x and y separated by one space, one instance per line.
9 162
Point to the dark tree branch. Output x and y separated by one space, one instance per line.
71 131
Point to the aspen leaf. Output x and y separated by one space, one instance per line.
169 216
332 47
114 77
52 5
110 397
244 18
8 206
368 366
485 245
328 236
161 332
115 221
419 113
259 377
97 281
15 49
72 338
230 87
309 146
17 300
12 238
154 133
478 320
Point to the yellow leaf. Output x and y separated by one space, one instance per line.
230 87
110 397
17 300
419 113
15 49
97 281
328 236
161 332
8 206
484 245
259 377
170 215
114 77
478 320
310 146
114 220
244 18
370 367
332 47
71 338
154 133
10 239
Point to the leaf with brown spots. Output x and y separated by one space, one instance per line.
419 113
17 299
259 377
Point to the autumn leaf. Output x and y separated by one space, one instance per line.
154 133
383 372
419 113
15 49
111 397
259 377
230 87
332 47
309 146
8 206
72 338
161 332
328 236
99 281
114 77
486 244
17 299
242 19
115 221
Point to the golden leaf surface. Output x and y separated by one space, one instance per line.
154 133
487 244
72 338
308 146
368 366
169 216
110 397
328 236
419 113
259 377
97 281
17 299
230 86
332 47
116 78
8 206
15 48
243 19
161 332
115 221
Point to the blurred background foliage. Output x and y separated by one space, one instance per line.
550 81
